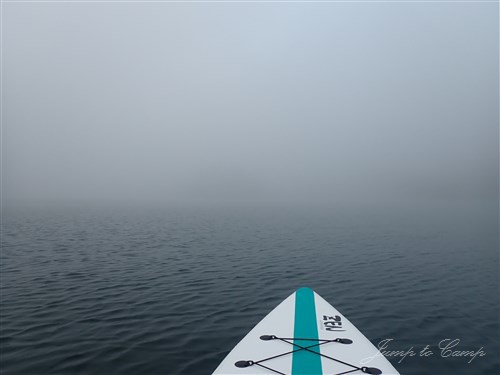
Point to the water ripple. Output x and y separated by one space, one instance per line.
173 292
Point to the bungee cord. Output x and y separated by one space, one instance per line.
319 342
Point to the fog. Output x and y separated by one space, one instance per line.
252 103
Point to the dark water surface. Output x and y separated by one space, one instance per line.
172 291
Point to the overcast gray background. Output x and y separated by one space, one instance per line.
249 103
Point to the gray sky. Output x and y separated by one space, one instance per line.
247 102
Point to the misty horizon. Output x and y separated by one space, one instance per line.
249 103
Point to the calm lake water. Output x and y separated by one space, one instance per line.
171 291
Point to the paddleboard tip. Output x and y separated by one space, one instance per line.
304 289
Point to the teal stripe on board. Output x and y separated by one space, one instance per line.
303 361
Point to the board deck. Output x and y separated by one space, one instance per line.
305 335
